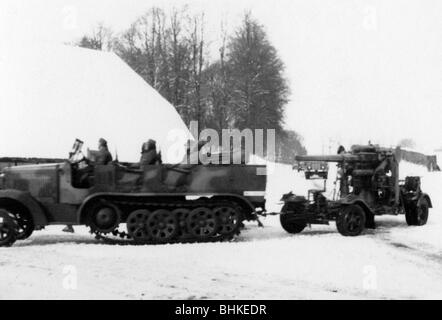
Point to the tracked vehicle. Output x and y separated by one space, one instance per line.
368 180
126 203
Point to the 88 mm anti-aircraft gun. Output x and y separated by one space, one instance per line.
368 179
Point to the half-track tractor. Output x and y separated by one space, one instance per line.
161 203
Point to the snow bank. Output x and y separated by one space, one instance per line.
394 261
79 93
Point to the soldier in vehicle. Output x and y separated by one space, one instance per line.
341 149
343 180
149 155
103 156
100 157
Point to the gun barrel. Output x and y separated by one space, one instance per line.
340 158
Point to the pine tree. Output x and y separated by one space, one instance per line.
260 90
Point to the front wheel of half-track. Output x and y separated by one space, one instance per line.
8 228
25 225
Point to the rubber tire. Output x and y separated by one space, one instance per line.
341 224
11 222
28 232
411 213
290 227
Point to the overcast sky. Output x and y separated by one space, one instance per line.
358 70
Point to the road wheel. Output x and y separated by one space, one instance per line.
136 224
105 217
162 225
182 214
417 213
8 228
351 221
202 223
229 219
286 219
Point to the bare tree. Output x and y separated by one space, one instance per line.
100 39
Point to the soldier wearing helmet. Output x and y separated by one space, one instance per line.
149 155
103 156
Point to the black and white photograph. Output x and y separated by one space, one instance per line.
222 150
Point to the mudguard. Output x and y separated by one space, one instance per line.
25 199
427 197
290 197
352 200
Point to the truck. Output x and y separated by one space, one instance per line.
161 203
369 185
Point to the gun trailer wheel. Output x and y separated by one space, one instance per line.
8 229
417 213
351 221
288 221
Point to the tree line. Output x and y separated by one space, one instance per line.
242 87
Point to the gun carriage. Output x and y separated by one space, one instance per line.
368 180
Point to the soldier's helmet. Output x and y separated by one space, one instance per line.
102 142
149 145
341 149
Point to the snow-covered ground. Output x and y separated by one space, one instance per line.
393 261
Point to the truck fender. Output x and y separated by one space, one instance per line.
427 197
26 200
360 203
291 197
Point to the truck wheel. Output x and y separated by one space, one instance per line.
25 225
8 228
351 221
417 213
287 222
